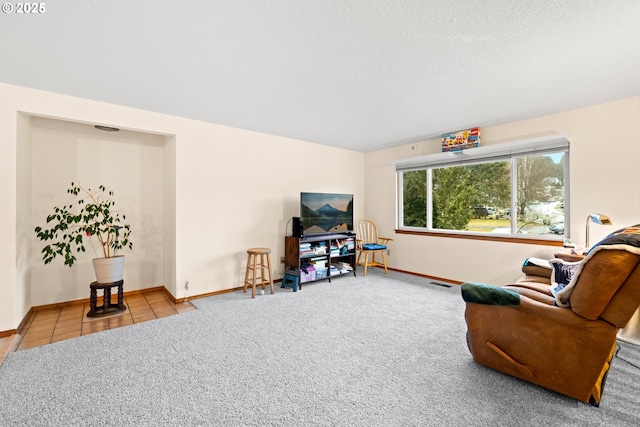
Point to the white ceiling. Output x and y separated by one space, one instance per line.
358 74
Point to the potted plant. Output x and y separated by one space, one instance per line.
91 215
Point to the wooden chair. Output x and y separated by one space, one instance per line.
369 243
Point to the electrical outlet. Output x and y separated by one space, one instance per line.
186 290
388 251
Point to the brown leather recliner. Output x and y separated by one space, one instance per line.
521 330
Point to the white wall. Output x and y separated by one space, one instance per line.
604 173
233 189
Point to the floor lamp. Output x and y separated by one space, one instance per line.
598 219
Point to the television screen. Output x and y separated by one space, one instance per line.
326 213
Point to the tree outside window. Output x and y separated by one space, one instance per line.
479 197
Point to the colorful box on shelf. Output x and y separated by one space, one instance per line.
321 273
309 276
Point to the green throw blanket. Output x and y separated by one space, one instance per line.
489 295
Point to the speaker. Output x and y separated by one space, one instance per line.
296 230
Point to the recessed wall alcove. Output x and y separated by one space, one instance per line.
139 167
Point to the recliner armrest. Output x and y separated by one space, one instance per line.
537 267
481 293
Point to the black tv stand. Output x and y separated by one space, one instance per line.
325 236
323 256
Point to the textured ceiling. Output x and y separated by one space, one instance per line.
358 74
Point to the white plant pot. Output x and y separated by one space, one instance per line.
108 269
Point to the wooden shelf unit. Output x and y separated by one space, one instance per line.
302 253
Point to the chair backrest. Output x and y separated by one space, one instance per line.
608 287
607 283
366 231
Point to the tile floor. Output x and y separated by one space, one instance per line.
57 324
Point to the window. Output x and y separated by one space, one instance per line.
508 189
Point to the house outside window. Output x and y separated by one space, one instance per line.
512 189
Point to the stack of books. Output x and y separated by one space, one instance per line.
319 262
350 243
342 267
335 251
321 248
305 249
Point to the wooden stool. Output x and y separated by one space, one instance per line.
257 265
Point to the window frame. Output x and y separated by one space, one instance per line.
486 154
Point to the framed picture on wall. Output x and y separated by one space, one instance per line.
457 141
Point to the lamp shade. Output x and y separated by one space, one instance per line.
598 219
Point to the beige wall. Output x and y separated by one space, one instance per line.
604 172
227 189
224 190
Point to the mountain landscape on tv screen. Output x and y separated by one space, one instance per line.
327 218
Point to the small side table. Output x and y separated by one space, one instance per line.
107 308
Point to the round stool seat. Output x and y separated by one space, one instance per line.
259 251
259 272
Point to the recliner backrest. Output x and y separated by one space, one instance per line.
607 284
604 277
625 302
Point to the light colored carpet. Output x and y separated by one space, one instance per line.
360 351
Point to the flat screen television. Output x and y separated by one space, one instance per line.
326 213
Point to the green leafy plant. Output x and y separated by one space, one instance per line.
92 214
